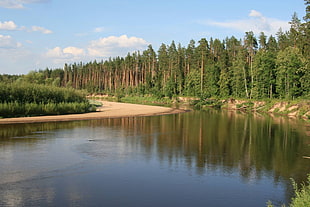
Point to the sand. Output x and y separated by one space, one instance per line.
108 110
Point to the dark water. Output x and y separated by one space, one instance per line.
213 158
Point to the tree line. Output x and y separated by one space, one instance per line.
252 67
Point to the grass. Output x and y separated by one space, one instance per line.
147 100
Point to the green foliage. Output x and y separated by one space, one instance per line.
15 109
33 99
302 195
147 100
34 93
207 102
290 64
95 103
192 83
245 106
264 75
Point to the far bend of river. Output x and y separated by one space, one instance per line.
212 158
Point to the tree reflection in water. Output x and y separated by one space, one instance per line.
227 142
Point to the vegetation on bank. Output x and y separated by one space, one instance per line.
294 108
145 100
302 195
17 100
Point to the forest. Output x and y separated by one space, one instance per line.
254 67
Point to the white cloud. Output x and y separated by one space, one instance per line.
55 53
104 47
115 46
41 29
59 55
99 29
8 25
255 13
74 51
256 23
111 46
7 42
18 4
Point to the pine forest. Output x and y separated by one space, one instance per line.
254 67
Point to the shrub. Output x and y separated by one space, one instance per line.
302 195
32 99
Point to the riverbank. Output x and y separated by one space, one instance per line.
108 110
294 108
288 108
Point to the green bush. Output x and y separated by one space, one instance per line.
34 93
302 195
15 109
18 100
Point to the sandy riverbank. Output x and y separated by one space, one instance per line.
108 110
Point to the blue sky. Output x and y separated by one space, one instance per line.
35 34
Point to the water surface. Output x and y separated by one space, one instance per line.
212 158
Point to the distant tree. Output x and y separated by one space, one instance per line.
283 39
224 83
305 32
173 67
163 64
192 83
272 44
294 33
190 57
289 71
251 45
202 52
239 77
264 74
262 41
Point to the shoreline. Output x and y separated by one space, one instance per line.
108 110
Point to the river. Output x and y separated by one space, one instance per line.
199 158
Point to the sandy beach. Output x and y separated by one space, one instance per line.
108 110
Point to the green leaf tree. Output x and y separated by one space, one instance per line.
289 71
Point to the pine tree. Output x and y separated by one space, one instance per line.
250 44
203 52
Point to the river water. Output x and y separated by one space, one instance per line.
210 158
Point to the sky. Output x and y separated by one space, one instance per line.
40 34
